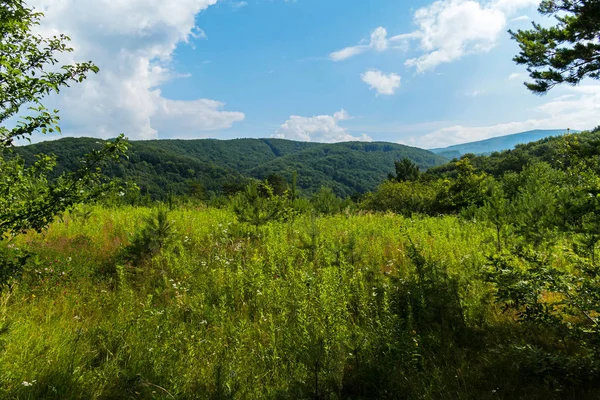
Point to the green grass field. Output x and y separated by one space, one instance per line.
348 306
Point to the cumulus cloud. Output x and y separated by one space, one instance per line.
133 42
447 30
454 28
382 83
578 109
320 128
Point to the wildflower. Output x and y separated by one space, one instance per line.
27 384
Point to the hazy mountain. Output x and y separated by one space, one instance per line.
549 150
499 143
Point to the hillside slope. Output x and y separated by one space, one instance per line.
499 143
348 168
163 166
550 150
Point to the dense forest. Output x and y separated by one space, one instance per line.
212 167
244 269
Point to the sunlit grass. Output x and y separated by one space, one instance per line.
329 307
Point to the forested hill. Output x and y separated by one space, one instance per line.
507 142
160 167
553 150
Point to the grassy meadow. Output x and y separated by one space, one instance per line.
354 305
278 269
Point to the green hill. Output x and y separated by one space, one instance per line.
179 166
500 143
550 150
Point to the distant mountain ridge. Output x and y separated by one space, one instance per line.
549 150
160 167
500 143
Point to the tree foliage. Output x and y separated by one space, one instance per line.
406 170
566 52
29 199
27 72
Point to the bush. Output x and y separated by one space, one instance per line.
403 198
156 234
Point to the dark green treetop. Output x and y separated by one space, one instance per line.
566 52
406 171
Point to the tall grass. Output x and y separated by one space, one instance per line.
345 306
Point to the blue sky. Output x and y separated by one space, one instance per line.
424 73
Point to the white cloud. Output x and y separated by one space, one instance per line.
132 41
384 84
349 52
521 18
186 116
447 31
579 110
321 128
516 75
378 42
454 28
